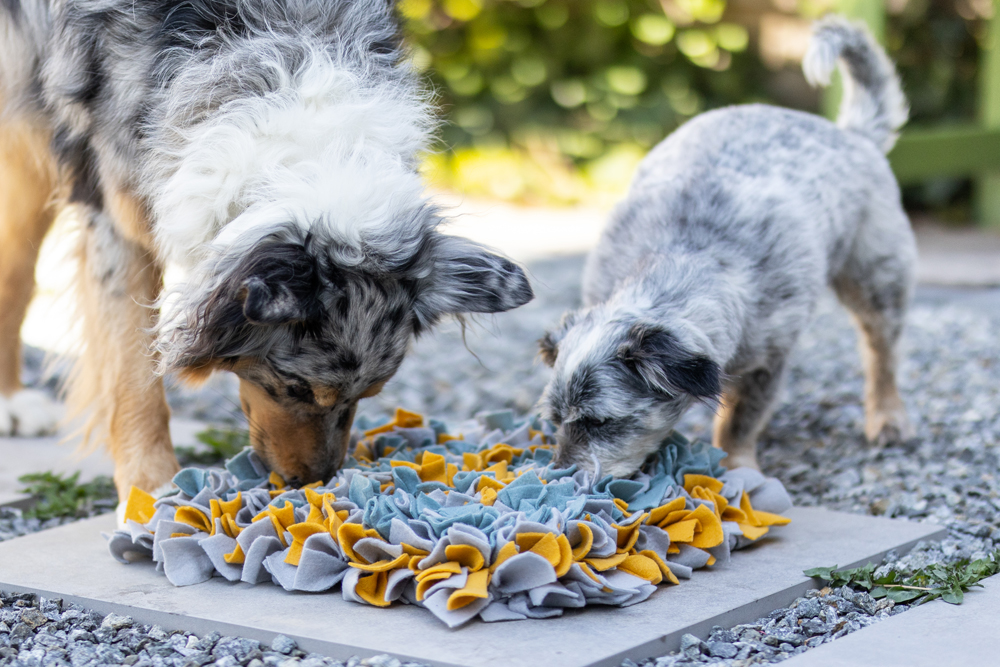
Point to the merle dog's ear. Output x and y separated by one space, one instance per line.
270 304
666 366
464 277
279 285
274 283
548 345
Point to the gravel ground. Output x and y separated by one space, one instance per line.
948 474
37 632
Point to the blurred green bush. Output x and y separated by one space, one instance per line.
936 46
555 101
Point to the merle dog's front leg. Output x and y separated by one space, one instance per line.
119 281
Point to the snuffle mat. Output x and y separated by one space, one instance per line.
480 524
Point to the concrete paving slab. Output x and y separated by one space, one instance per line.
22 456
72 562
933 635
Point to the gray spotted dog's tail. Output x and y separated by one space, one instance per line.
873 102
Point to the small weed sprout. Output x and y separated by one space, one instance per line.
61 497
948 581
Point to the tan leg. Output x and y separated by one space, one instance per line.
746 407
875 284
877 298
885 415
28 179
119 280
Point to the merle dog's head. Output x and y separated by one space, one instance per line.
618 387
311 328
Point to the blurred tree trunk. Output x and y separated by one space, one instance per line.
987 195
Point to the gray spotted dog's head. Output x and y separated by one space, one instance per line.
311 328
619 386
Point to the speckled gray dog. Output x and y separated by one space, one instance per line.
710 269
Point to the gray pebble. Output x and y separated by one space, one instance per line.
691 646
780 636
283 644
207 643
116 622
814 626
197 658
720 634
33 618
808 608
20 632
389 661
722 650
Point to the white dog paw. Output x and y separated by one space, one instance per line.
120 515
29 413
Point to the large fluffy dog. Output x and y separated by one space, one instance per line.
266 146
708 272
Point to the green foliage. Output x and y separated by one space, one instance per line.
59 496
567 82
220 444
948 581
557 100
937 50
937 53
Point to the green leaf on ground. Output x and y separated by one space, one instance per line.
824 573
59 496
948 581
903 594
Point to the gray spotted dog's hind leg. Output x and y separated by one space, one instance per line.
747 404
875 285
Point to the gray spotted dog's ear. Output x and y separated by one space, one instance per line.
667 366
465 277
548 345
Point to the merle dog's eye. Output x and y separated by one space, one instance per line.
300 393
